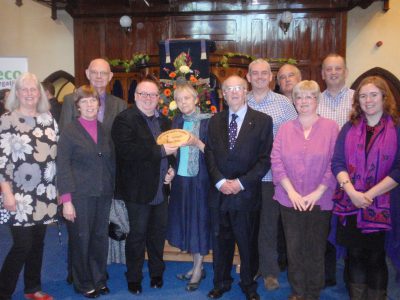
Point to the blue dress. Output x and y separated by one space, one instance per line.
188 213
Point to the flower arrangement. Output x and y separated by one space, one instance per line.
224 62
181 75
137 60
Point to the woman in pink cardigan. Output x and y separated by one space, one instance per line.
301 171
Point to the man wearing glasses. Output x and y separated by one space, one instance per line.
143 168
280 108
99 75
237 155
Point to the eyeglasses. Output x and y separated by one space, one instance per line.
236 88
99 73
146 95
305 98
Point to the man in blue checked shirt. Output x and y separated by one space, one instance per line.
280 108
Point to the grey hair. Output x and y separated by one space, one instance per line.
13 103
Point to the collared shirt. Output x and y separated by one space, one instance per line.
100 114
294 156
154 126
279 107
336 108
241 113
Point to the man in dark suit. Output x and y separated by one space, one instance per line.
143 170
99 75
237 155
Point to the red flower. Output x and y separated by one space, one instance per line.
213 109
172 75
165 111
167 92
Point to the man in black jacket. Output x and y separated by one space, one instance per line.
143 170
237 156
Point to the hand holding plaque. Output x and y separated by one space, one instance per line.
175 137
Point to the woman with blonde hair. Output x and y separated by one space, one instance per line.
301 170
188 225
28 148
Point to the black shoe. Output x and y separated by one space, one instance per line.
330 282
192 286
135 287
69 279
156 282
252 296
104 290
216 293
185 277
91 294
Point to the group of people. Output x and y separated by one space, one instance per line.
302 158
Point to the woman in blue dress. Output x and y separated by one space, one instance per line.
188 226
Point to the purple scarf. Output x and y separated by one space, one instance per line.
367 167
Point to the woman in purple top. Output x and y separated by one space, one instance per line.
301 172
366 163
85 181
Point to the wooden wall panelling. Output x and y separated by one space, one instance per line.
223 29
89 43
311 36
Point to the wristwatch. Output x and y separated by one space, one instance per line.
341 185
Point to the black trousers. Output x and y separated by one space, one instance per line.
148 228
368 266
26 252
242 228
88 242
306 233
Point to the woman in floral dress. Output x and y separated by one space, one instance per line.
28 137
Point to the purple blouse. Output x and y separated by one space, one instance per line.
306 162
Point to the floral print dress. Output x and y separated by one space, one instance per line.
28 148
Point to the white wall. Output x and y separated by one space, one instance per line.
365 27
29 31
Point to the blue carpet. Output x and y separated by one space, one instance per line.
54 274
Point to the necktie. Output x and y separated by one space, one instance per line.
232 131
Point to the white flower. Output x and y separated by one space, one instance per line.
50 171
3 161
16 145
51 134
172 105
24 207
45 119
41 188
37 132
51 192
184 69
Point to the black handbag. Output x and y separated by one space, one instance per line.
118 227
115 232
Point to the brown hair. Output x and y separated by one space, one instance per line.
149 78
389 103
85 91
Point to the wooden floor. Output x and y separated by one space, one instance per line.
174 254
